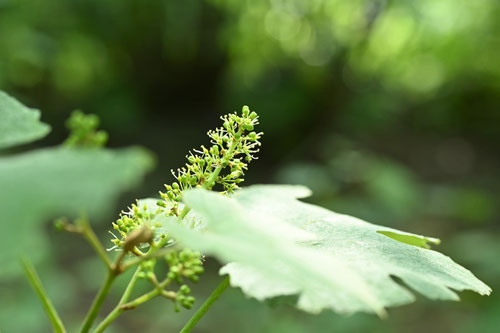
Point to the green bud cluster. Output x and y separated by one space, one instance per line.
132 219
184 264
234 145
83 131
183 299
148 267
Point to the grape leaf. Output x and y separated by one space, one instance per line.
46 183
276 245
18 123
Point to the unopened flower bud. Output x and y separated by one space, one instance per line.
245 111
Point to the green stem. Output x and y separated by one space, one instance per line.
146 297
137 260
98 300
131 285
142 299
206 306
118 309
114 269
91 237
34 279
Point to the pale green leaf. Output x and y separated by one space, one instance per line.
47 183
276 245
18 123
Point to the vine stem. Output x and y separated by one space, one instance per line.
137 260
206 306
94 241
118 309
34 279
98 300
113 270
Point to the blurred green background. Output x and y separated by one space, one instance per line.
387 110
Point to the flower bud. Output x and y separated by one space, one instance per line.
247 127
184 289
245 111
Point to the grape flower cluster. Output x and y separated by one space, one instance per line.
83 131
221 167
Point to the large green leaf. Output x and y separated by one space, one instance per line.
43 184
276 245
19 124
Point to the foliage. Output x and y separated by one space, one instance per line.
387 110
314 33
19 123
276 245
40 184
57 181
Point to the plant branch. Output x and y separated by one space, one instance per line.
118 310
97 303
206 306
139 300
123 305
146 297
114 269
49 308
82 227
91 237
137 260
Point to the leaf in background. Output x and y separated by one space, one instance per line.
276 245
412 239
18 123
43 184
